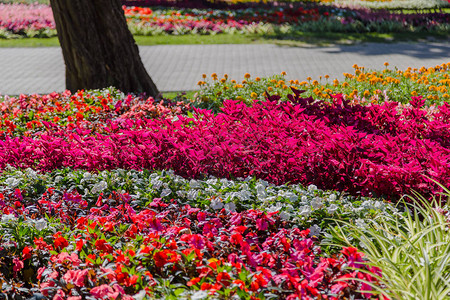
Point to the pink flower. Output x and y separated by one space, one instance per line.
76 277
39 272
105 291
60 295
18 265
46 286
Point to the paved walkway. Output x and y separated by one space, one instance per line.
179 67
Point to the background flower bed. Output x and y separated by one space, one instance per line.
21 20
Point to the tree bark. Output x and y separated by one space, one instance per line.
99 51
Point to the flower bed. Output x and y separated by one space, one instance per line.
20 20
363 87
110 243
381 150
26 20
105 195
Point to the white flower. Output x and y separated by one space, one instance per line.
212 181
166 192
192 194
156 183
40 224
244 195
216 204
291 196
230 206
312 188
7 218
332 197
360 223
332 209
87 175
199 295
99 187
314 230
193 184
304 199
181 194
317 203
263 182
305 210
12 182
274 208
285 215
260 189
139 296
31 173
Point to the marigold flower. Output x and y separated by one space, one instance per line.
247 75
283 73
254 95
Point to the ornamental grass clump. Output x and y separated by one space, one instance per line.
412 249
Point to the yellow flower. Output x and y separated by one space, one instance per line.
257 79
366 93
345 84
233 81
445 96
315 82
247 75
223 80
254 95
335 82
270 89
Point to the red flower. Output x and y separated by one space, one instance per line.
206 286
60 242
102 245
26 252
224 278
193 281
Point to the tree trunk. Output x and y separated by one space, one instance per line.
99 50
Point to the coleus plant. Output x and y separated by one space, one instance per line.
376 150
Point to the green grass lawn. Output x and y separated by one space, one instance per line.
299 39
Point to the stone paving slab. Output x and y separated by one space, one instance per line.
180 67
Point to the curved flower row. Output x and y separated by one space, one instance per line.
114 248
367 150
